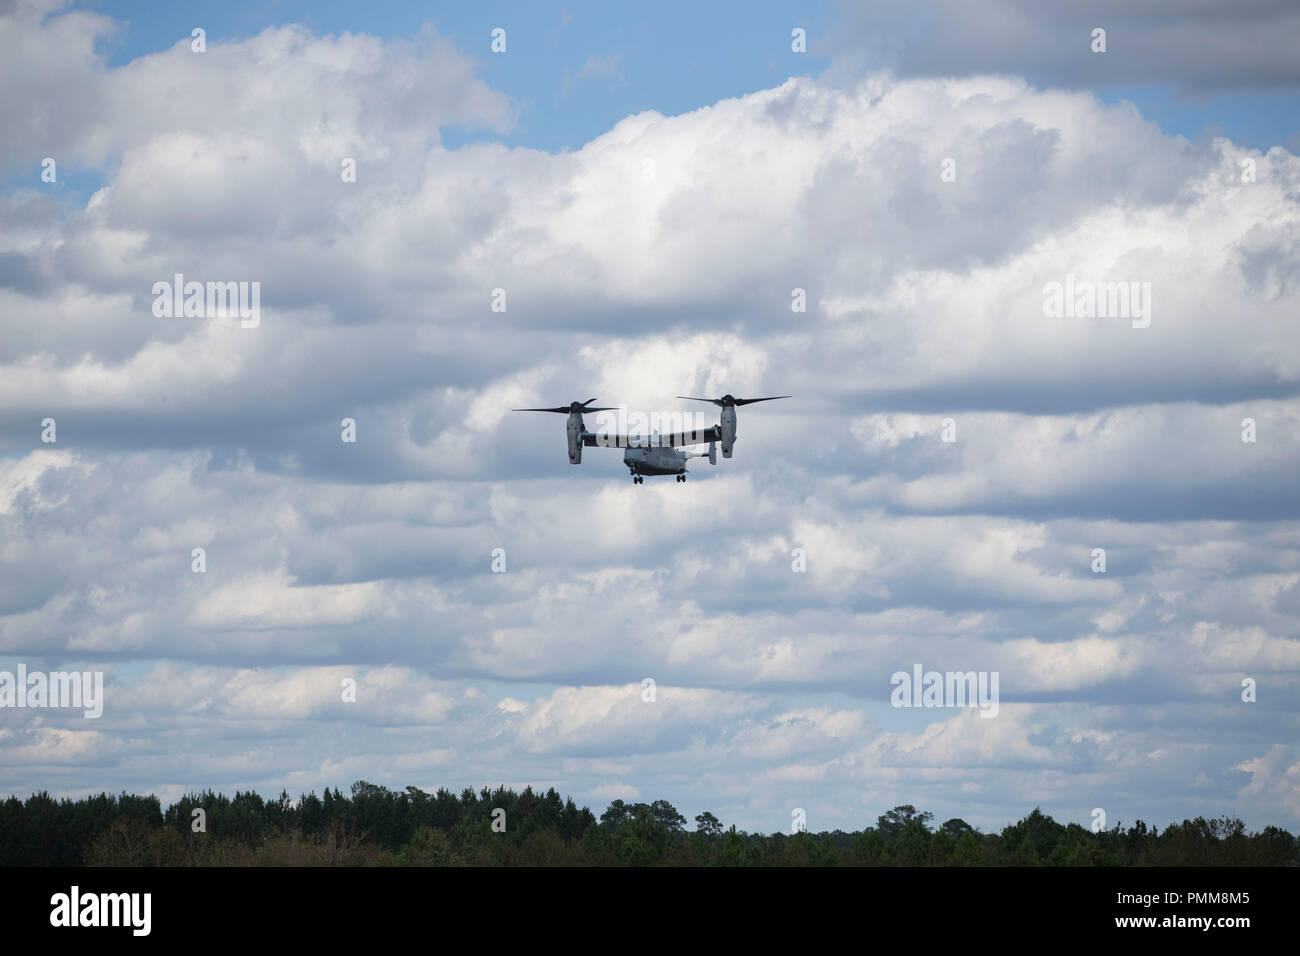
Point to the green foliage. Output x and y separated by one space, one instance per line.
428 846
707 825
641 840
375 826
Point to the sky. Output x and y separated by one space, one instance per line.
633 204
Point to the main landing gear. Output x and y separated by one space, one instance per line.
640 479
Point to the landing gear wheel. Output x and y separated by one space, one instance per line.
636 479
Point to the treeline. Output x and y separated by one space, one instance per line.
375 826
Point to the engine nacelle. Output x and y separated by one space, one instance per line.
728 428
575 439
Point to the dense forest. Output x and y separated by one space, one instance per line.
376 826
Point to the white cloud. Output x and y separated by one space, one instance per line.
636 281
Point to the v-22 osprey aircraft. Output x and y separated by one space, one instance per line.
656 454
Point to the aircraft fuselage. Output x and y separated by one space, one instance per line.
655 461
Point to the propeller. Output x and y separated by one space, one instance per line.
579 407
726 400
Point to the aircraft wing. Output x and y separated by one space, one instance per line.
675 440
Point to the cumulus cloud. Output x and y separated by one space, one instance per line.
660 259
1199 45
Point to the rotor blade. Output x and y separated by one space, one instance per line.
585 410
564 409
690 398
751 401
